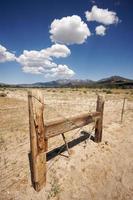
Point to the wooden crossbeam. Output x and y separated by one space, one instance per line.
60 126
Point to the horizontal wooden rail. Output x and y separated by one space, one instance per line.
60 126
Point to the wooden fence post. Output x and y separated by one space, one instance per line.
99 122
38 142
123 107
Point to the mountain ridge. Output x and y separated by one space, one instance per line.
112 81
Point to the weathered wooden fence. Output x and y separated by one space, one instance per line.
40 132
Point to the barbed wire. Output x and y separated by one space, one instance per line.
59 114
66 119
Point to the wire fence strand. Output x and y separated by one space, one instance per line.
66 119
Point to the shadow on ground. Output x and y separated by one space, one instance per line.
55 152
84 136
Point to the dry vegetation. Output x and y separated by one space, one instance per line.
93 171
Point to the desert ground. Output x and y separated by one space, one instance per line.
93 171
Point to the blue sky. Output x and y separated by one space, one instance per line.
25 25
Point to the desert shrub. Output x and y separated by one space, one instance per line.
85 91
104 90
108 92
48 90
2 94
117 92
12 89
76 89
3 89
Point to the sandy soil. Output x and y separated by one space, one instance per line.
92 172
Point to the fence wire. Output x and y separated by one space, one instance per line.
51 163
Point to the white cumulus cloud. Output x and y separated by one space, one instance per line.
69 30
103 16
32 70
41 62
6 56
100 30
61 71
57 50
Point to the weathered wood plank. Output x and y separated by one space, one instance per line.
41 169
33 139
38 107
99 122
57 127
37 139
123 107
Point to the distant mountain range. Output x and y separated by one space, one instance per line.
110 82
